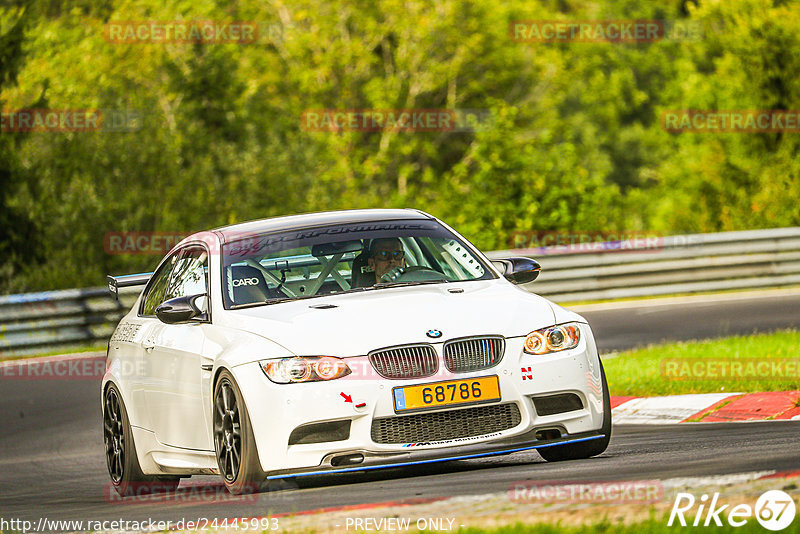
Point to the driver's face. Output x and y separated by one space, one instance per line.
386 257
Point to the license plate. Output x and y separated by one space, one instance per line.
449 393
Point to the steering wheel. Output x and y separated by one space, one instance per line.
414 273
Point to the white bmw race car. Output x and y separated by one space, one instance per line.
337 342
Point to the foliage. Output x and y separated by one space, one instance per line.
574 141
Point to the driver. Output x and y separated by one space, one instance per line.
384 255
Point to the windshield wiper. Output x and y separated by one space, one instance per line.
262 303
380 285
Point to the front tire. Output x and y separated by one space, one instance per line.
121 460
234 443
584 449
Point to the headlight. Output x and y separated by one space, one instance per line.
304 369
553 339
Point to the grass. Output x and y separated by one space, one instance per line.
767 362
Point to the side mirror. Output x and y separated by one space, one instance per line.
181 309
519 270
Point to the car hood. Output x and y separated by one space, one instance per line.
357 323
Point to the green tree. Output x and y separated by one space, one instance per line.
18 236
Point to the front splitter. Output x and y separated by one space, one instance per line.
385 460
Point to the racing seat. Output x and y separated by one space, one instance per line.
249 285
358 278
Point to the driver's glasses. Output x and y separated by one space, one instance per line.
386 255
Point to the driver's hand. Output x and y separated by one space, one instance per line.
392 275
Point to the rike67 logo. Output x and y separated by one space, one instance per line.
774 510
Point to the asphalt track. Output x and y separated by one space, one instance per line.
682 319
52 465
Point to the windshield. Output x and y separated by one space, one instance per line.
275 267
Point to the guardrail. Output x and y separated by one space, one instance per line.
50 320
668 265
33 322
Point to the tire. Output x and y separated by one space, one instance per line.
584 449
234 444
123 464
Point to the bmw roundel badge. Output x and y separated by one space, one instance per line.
434 333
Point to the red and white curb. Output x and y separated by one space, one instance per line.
707 408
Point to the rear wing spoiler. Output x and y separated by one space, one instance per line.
126 280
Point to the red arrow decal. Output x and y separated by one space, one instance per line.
347 398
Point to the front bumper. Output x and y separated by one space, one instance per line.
276 410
